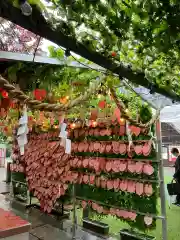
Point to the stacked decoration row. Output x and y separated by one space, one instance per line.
43 169
115 176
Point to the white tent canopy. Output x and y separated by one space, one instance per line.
170 112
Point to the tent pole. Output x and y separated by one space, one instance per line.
161 175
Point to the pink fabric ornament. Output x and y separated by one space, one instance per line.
132 216
123 185
122 166
138 149
108 166
148 190
103 183
139 188
94 206
131 187
148 169
139 167
131 166
86 179
110 184
116 184
92 179
99 209
122 148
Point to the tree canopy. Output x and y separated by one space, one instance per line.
138 40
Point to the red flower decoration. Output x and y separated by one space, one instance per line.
4 94
113 54
39 94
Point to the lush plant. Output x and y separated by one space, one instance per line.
142 35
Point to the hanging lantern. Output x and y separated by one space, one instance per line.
113 54
39 94
30 118
102 104
63 100
5 129
4 94
73 125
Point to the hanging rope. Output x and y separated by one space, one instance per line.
35 104
125 115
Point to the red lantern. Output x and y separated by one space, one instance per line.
5 129
30 118
39 94
113 54
4 94
102 104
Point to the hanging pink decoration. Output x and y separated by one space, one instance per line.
117 113
148 190
148 169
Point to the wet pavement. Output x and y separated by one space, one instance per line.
42 226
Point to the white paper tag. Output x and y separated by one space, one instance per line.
63 127
63 142
22 140
68 146
22 130
23 120
22 150
27 130
63 134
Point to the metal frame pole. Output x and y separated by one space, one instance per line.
74 213
162 185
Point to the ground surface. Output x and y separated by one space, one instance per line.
43 231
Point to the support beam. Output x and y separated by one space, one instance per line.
37 24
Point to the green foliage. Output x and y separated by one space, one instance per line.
144 34
37 3
73 82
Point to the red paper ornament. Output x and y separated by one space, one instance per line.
4 94
113 54
5 129
117 113
102 104
40 94
3 112
30 119
94 114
